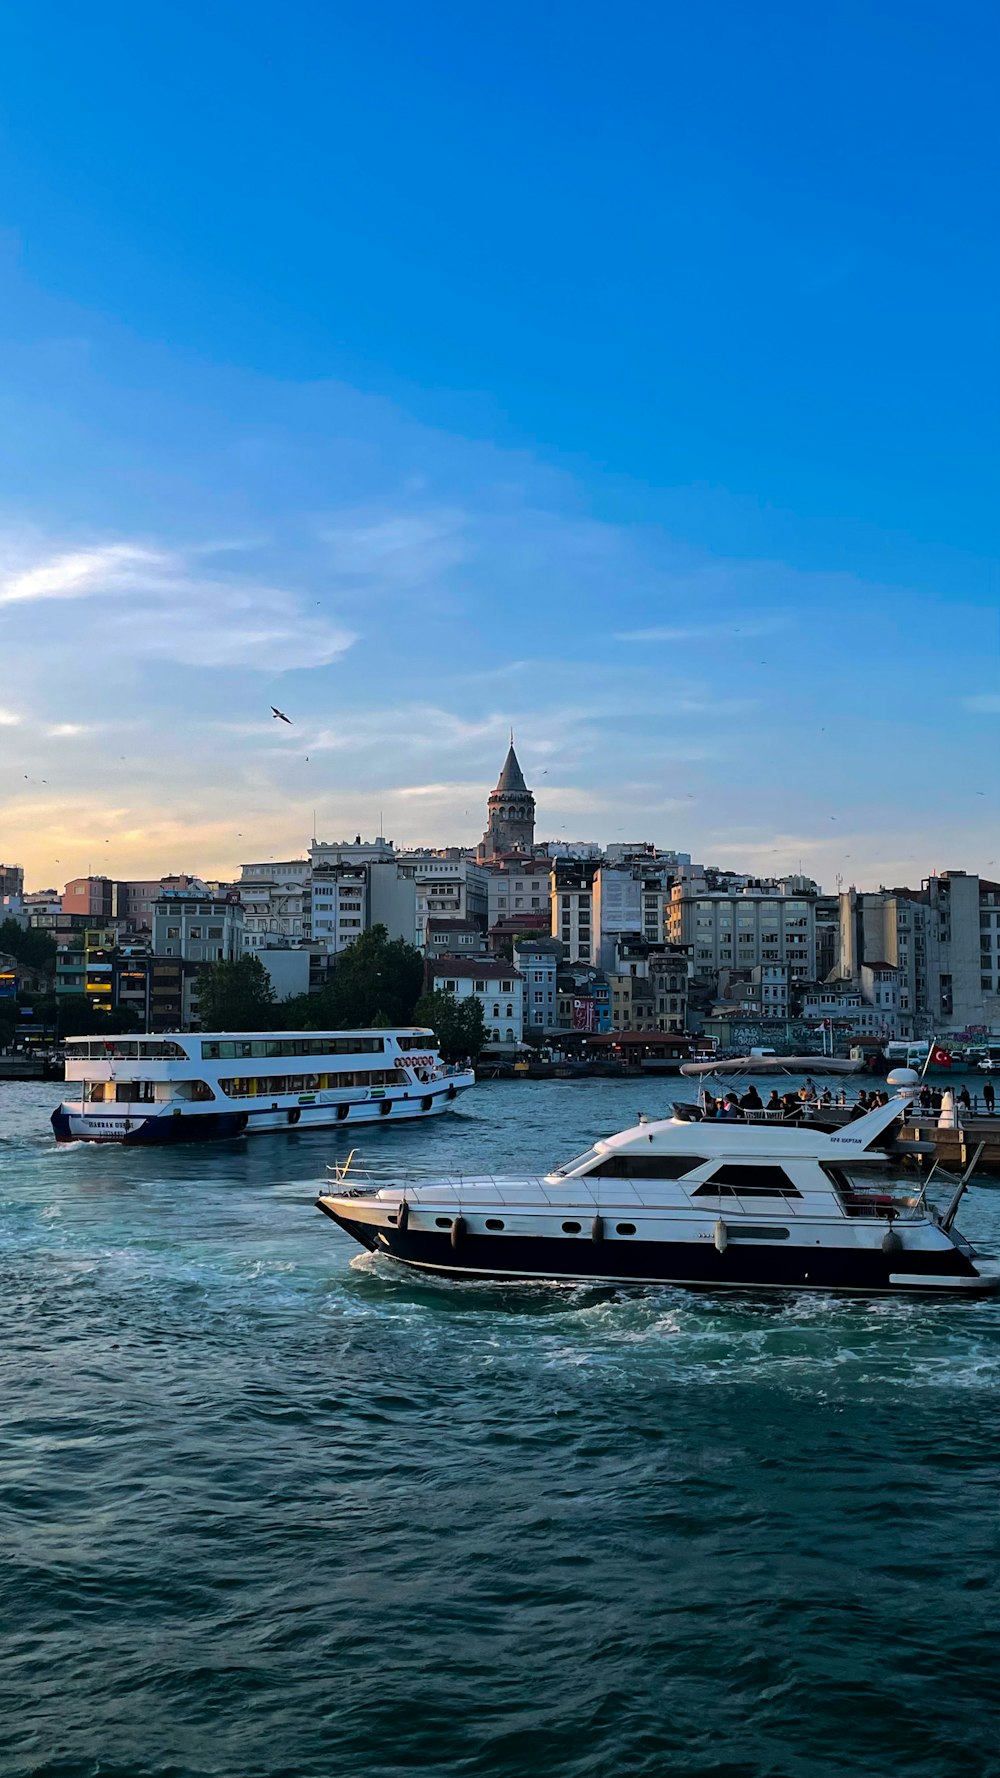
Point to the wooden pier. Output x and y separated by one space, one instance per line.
954 1149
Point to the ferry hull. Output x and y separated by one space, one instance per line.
694 1264
131 1130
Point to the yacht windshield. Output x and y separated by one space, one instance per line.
589 1154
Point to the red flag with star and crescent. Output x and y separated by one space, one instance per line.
941 1058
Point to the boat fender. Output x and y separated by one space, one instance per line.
721 1236
403 1215
385 1108
453 1092
458 1228
597 1229
426 1102
891 1242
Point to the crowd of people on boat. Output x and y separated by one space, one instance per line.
808 1101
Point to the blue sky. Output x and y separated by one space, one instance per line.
625 374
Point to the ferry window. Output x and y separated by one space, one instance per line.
757 1234
571 1228
647 1166
625 1228
493 1222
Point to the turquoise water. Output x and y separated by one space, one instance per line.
273 1509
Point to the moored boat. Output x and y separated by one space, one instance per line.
707 1204
202 1085
770 1063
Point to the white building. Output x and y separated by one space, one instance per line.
43 901
356 851
644 854
445 885
850 1003
275 899
516 886
739 928
347 899
537 964
617 904
497 986
770 981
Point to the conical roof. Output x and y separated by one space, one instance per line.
512 777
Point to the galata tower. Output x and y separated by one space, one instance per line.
512 813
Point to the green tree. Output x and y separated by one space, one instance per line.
458 1025
36 950
375 978
74 1015
236 997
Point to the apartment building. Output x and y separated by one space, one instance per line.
445 885
571 891
537 963
739 928
516 887
347 899
942 939
276 901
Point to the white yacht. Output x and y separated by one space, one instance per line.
706 1204
204 1084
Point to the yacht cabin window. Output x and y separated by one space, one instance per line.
647 1166
739 1180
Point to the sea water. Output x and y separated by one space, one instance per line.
273 1509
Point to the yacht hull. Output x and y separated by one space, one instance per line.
694 1263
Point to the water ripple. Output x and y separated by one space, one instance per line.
272 1507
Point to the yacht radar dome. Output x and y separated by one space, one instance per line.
903 1079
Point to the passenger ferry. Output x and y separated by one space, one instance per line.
704 1204
213 1084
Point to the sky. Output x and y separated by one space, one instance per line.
625 375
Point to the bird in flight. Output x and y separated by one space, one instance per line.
279 715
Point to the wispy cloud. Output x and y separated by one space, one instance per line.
155 603
74 574
984 703
9 719
710 632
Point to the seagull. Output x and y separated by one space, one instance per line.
279 715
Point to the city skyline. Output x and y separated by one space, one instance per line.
583 438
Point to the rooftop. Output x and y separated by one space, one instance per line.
511 777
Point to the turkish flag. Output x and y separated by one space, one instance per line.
940 1057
